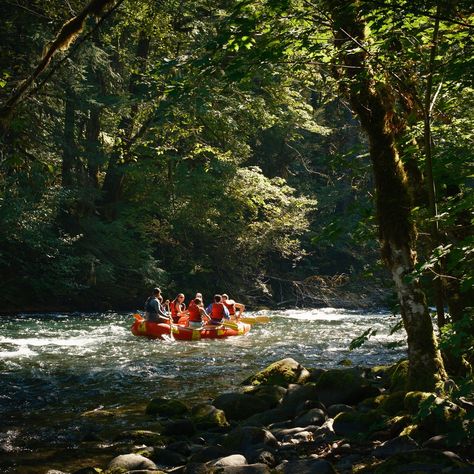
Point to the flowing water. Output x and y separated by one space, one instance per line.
55 367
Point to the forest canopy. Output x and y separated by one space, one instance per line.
255 147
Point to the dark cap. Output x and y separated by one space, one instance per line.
156 291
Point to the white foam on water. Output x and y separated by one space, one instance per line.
20 352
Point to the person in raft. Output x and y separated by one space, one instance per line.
217 311
177 308
197 314
153 309
235 309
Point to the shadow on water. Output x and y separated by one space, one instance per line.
54 367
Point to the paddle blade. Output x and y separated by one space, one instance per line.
255 319
138 317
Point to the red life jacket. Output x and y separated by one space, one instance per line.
217 311
174 310
194 312
230 306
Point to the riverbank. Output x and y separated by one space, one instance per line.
292 420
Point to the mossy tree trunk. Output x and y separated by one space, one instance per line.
372 102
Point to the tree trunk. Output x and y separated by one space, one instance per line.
374 106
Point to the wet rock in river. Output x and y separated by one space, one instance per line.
166 407
244 437
401 444
282 372
315 416
239 406
306 466
271 394
130 462
344 386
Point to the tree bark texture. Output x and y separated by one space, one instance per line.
374 105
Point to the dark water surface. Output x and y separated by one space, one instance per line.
55 367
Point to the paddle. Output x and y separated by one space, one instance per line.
255 319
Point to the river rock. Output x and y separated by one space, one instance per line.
287 433
401 444
130 462
243 438
261 456
442 416
398 374
423 461
210 453
271 394
239 406
436 442
351 423
166 407
232 460
334 410
150 438
184 427
296 395
206 416
247 469
167 457
306 466
315 417
282 372
268 417
344 386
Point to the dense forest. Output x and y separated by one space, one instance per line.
263 148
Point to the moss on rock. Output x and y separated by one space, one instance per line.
166 407
354 423
282 372
207 416
399 376
343 386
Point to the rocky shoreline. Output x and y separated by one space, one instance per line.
292 420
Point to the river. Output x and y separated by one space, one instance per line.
56 366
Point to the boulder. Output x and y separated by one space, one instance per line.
296 396
150 438
268 417
352 423
399 376
210 453
282 372
423 461
247 469
243 438
239 406
130 462
435 415
167 457
207 416
306 466
343 386
393 403
400 444
184 427
271 394
166 407
315 416
232 460
334 410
